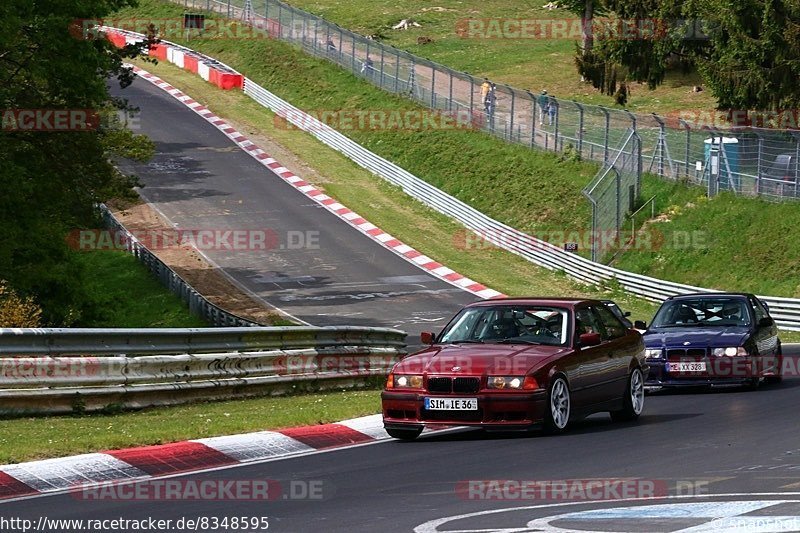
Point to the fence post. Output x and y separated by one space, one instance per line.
687 154
758 163
511 122
533 117
450 96
580 127
383 55
638 154
433 88
471 98
280 19
396 71
291 24
605 135
555 103
353 68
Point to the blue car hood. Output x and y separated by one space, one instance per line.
716 337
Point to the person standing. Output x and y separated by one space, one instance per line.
552 108
490 101
485 88
544 103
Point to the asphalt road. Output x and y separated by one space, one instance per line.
318 268
718 442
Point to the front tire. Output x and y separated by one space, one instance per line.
404 434
558 406
633 401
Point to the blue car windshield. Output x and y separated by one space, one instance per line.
507 324
703 311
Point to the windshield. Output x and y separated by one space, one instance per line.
508 324
704 311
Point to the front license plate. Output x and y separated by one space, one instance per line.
687 367
451 404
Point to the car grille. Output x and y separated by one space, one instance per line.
458 385
458 416
686 354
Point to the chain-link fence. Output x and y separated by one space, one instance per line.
614 192
753 161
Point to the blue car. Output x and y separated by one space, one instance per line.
712 339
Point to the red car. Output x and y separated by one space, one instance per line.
517 363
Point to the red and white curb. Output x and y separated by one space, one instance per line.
135 464
370 230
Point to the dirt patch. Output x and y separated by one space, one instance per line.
192 267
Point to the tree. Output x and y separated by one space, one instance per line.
51 181
753 61
747 52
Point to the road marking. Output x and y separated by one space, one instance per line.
738 513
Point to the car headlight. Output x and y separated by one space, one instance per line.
730 351
512 382
404 381
653 353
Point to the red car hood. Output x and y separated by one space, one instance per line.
479 359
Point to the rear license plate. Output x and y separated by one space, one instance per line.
451 404
686 367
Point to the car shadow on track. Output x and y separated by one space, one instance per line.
726 389
595 423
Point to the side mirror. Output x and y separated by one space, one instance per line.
590 339
765 322
626 313
427 337
640 324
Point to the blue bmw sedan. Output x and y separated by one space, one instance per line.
712 339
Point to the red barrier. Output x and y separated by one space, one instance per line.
117 39
159 51
225 80
190 63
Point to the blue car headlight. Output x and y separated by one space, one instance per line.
730 351
654 353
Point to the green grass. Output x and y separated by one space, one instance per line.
26 439
523 63
128 295
534 191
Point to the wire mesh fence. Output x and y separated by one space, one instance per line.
752 161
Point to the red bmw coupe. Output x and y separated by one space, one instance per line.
518 363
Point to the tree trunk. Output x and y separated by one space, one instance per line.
587 37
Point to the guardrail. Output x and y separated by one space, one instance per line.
786 311
198 304
69 370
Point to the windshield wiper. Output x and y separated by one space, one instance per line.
467 341
517 341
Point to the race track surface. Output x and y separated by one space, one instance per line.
319 269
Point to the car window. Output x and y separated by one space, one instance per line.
703 311
612 325
758 309
586 322
508 324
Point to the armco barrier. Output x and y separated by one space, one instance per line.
198 304
43 371
786 311
209 69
